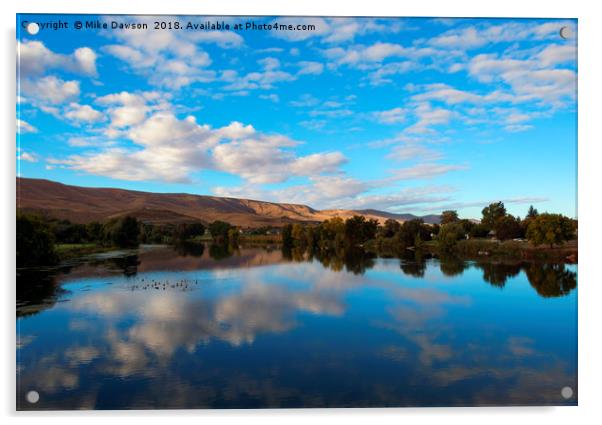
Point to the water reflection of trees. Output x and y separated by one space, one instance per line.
128 264
498 273
551 280
191 249
452 266
221 251
354 260
37 290
413 263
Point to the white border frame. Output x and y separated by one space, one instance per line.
589 140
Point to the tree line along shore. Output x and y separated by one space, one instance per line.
46 241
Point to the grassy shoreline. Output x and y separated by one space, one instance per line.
75 250
479 249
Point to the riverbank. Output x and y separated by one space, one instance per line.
474 249
76 250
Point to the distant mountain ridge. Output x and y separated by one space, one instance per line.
86 204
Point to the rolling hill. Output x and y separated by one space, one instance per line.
86 204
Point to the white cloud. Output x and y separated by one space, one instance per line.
168 59
529 80
425 171
382 74
171 150
374 53
335 30
271 97
24 127
428 117
447 94
127 109
479 36
556 54
27 156
224 39
317 163
265 79
305 101
408 152
83 113
268 159
34 59
50 89
320 192
308 67
392 116
164 129
398 199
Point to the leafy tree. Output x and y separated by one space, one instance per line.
123 232
358 230
186 231
449 235
233 234
67 232
467 225
507 227
532 213
492 213
479 231
298 234
550 229
94 231
287 236
389 228
35 242
219 231
332 233
449 216
435 229
412 229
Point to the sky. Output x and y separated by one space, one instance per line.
406 115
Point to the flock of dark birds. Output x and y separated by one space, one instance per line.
181 284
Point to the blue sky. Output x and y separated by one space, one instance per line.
405 115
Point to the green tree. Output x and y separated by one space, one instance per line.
354 229
492 213
219 231
507 227
123 232
94 231
332 232
389 228
412 229
287 236
233 234
298 234
449 216
35 242
449 235
532 213
186 231
550 229
479 231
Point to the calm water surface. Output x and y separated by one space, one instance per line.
208 328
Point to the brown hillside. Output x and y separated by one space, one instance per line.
85 204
